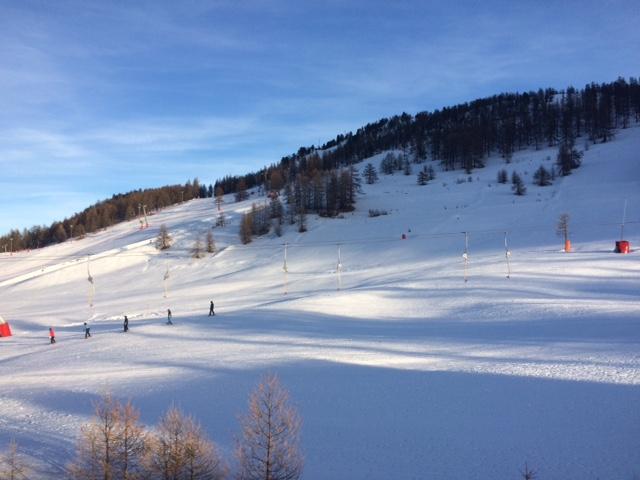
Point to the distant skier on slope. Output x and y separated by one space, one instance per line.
87 330
126 324
52 335
211 312
169 322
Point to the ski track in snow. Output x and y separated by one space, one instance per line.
406 369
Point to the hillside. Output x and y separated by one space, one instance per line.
398 366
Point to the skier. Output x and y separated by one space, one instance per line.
52 335
87 329
169 322
211 312
126 324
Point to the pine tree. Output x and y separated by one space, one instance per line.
276 209
542 177
59 233
302 219
269 445
503 176
431 173
406 167
387 165
562 227
424 176
163 241
568 158
370 174
79 231
517 184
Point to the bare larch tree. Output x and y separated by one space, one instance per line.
269 445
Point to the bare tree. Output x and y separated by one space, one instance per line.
179 450
268 448
211 244
11 465
276 182
112 446
95 451
246 228
202 458
197 251
241 191
219 197
131 444
163 241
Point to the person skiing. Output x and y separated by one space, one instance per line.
52 335
211 312
169 322
87 332
126 324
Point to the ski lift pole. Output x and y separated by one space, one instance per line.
92 287
165 281
465 255
624 218
339 268
285 269
507 254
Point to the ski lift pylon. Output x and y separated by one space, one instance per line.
507 254
465 255
92 286
165 282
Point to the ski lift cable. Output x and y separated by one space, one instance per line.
356 241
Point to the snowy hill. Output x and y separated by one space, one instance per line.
399 368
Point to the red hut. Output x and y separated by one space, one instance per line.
5 329
622 246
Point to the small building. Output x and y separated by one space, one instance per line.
5 329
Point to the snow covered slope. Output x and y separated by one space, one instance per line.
399 367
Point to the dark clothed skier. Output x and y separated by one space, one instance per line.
126 324
87 330
211 312
169 322
52 335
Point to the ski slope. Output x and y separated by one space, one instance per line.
399 368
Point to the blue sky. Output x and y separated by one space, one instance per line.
103 97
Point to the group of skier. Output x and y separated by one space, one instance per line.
87 329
